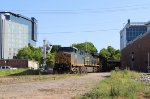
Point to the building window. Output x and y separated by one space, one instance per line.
9 49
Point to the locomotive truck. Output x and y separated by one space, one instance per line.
72 60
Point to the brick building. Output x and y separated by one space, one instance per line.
19 63
136 55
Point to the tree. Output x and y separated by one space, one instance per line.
110 53
86 46
25 53
33 53
37 54
30 52
50 59
55 48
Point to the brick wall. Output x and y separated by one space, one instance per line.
135 55
14 63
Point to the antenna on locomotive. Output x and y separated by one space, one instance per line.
44 53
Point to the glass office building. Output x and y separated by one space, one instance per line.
131 31
16 31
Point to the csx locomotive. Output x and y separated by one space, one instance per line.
72 60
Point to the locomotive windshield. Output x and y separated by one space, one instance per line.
67 49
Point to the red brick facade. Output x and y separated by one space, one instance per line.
135 55
19 63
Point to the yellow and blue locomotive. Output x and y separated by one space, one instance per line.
72 60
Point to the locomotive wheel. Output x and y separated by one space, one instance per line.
83 70
75 70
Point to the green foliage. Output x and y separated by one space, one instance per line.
37 54
120 85
33 53
25 53
30 52
110 53
86 46
50 59
55 48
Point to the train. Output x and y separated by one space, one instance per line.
73 60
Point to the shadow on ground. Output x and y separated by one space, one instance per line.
26 72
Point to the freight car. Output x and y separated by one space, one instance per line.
72 60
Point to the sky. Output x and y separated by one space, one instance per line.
64 22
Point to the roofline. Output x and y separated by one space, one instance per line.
137 23
18 15
133 24
147 23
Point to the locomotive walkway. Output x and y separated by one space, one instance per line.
67 88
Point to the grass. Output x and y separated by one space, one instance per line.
18 72
5 80
22 72
120 85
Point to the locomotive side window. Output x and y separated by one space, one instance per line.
75 50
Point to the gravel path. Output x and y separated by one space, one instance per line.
67 88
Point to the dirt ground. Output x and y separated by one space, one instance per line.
67 88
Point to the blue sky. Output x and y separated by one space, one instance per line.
73 21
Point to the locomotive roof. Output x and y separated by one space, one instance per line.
71 49
67 49
95 55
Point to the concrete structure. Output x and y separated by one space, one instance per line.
16 31
131 31
136 55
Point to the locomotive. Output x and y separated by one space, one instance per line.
72 60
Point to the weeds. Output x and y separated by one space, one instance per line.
121 84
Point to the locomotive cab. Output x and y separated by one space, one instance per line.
63 59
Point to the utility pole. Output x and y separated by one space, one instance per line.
46 48
44 53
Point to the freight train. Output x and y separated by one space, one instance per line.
72 60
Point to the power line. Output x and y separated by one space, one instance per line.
81 11
85 31
70 32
